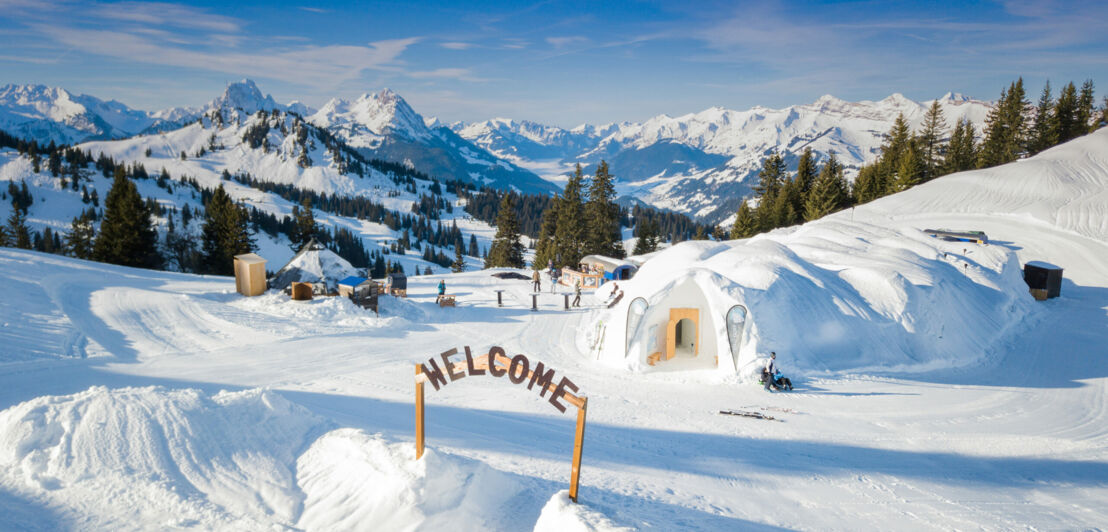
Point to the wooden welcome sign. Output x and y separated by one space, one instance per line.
496 363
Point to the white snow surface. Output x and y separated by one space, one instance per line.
151 400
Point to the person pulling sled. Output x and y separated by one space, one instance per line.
771 376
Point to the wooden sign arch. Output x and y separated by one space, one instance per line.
496 364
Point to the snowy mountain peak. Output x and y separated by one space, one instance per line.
897 99
955 97
378 114
245 96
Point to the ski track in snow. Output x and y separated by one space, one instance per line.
1017 441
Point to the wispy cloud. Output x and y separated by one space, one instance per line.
164 14
562 42
315 9
462 74
317 65
454 45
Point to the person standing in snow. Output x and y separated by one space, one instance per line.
577 293
442 290
536 281
768 373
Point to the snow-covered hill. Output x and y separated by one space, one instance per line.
194 407
703 163
242 133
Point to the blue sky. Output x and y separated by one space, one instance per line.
560 63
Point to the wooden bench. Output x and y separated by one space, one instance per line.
446 300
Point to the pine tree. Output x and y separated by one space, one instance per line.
806 172
961 155
931 142
570 228
897 142
1086 103
746 225
868 185
1043 128
1006 130
1103 114
19 234
79 241
1065 114
829 192
546 247
225 233
5 241
304 226
647 239
506 250
602 233
127 236
459 264
770 180
788 205
910 170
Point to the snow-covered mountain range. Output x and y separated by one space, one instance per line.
52 114
703 163
384 126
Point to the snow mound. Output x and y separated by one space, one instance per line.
562 515
829 296
237 460
177 457
353 480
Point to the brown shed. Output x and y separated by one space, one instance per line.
250 274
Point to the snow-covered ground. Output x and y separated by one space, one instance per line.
149 400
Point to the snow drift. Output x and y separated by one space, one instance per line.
237 460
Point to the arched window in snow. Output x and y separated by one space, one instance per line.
636 311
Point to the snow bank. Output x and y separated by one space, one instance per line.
238 460
353 480
562 515
177 457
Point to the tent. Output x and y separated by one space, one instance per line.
614 269
314 264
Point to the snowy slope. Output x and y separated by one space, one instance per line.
689 163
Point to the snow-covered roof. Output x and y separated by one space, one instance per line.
314 264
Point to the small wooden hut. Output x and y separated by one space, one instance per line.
250 274
396 284
1043 279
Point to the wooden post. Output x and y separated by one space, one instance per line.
578 443
534 302
566 296
500 298
418 413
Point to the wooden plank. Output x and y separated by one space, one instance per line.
578 447
419 411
